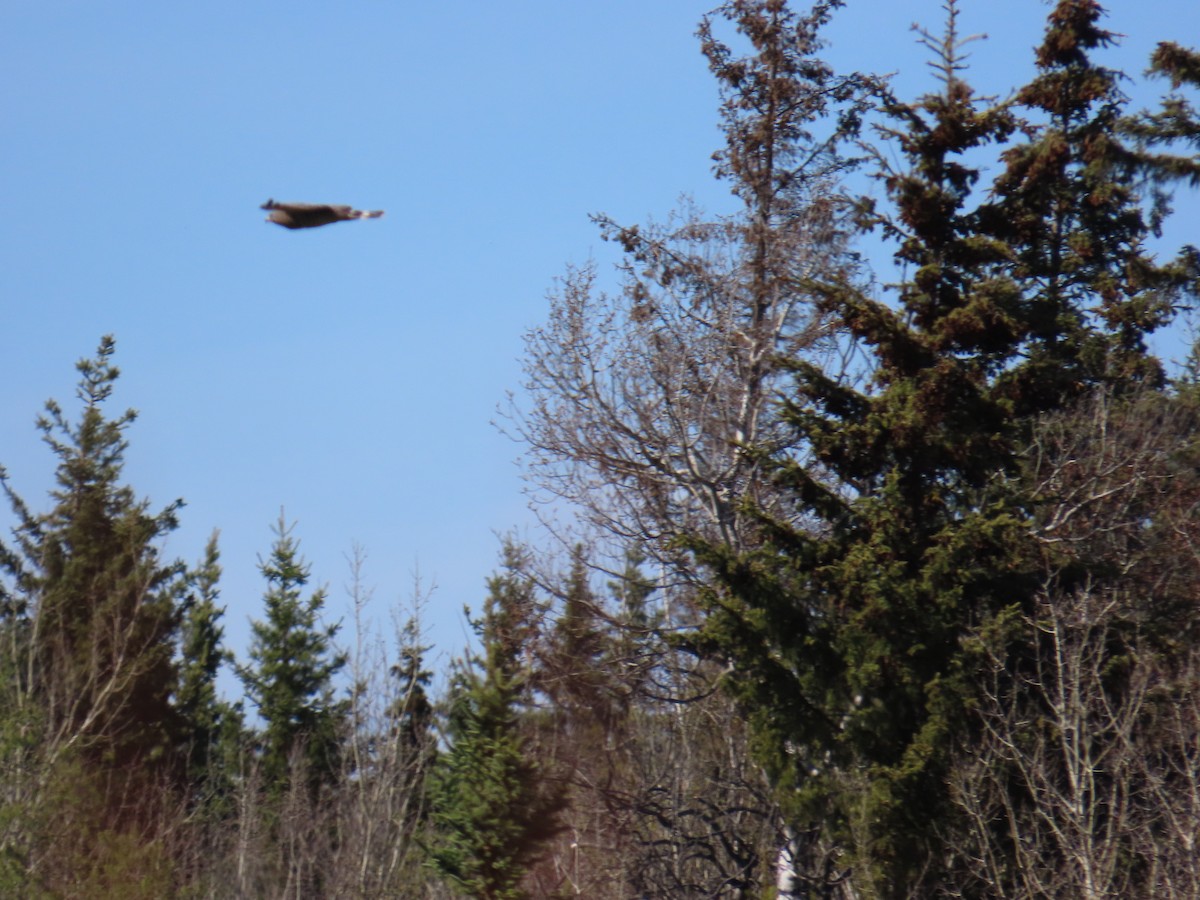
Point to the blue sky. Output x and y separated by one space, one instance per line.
350 374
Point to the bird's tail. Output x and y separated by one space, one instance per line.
370 213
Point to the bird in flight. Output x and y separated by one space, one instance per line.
310 215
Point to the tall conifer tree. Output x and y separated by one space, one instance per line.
290 677
851 626
492 804
104 605
207 718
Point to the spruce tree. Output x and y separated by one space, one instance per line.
1076 207
577 675
201 657
852 626
493 806
103 607
214 739
413 711
293 663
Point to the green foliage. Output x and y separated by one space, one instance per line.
631 593
957 583
22 732
413 711
1076 205
848 625
290 678
201 655
81 855
493 805
576 674
103 607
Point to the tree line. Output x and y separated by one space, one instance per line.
860 578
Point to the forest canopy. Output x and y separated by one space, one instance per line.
871 566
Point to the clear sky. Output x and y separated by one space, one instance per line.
350 374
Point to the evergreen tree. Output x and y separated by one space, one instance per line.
412 710
290 677
1178 120
1072 208
631 593
89 615
577 629
493 806
103 606
851 627
201 655
575 663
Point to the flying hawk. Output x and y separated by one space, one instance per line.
310 215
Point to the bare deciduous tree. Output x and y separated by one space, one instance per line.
648 408
665 798
641 403
380 808
1083 781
